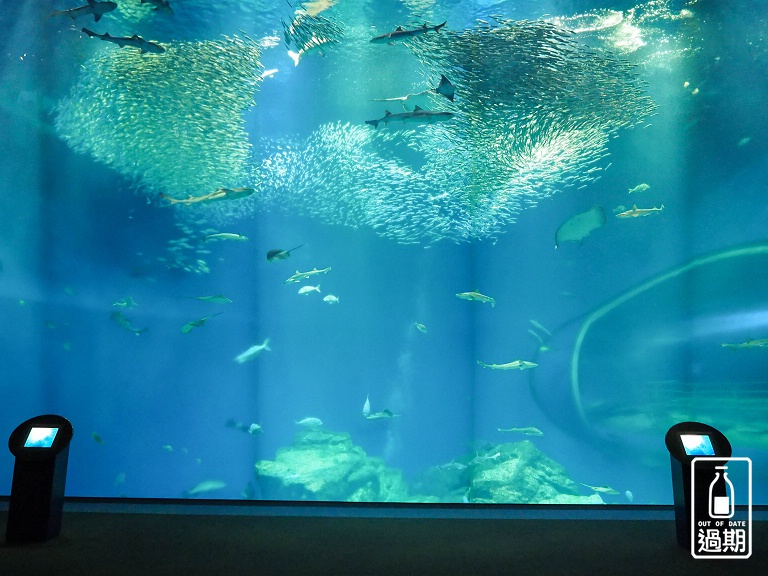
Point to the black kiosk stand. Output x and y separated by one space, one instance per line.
686 441
41 448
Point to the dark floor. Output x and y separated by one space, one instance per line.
100 540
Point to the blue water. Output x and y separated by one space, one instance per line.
80 231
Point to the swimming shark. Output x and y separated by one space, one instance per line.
401 33
136 41
603 489
635 212
299 275
514 365
475 296
417 116
216 195
98 9
528 431
749 343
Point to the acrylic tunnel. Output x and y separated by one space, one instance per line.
687 344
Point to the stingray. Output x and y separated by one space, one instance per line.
279 254
578 227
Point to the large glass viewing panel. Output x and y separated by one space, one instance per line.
401 251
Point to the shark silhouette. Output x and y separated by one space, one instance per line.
97 9
401 33
136 41
417 116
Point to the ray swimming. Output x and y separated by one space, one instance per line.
444 88
279 254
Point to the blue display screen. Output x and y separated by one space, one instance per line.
697 445
40 437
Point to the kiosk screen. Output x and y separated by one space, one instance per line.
697 445
40 437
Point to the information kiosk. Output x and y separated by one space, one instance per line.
41 448
686 441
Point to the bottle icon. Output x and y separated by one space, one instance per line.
721 506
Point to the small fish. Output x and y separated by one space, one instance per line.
217 195
636 212
97 9
310 422
124 323
307 289
253 351
529 431
417 116
216 299
119 479
476 297
401 33
514 365
168 448
225 236
639 188
204 488
420 327
299 276
189 326
125 303
250 429
379 415
629 496
135 41
619 208
331 299
602 489
279 254
367 407
96 438
749 343
253 428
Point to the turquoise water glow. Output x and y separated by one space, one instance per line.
141 194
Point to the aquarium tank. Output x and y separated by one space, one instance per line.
406 251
